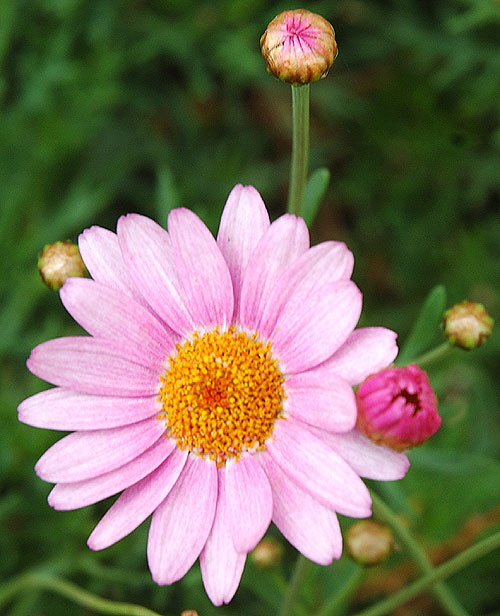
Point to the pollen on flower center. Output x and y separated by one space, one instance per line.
221 394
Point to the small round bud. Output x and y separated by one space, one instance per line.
299 47
369 542
467 325
189 613
397 407
267 553
59 261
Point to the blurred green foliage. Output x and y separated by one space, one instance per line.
145 105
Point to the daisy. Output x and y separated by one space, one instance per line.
214 391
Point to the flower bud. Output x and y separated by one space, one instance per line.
59 261
189 613
467 325
397 407
299 47
267 553
369 542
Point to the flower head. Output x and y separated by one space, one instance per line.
214 390
299 47
59 261
467 325
397 407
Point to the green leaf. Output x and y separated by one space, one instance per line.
314 193
167 195
453 462
424 332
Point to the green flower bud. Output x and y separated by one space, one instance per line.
59 261
369 542
267 553
467 325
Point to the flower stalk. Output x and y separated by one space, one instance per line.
442 593
435 576
73 593
301 568
300 148
434 355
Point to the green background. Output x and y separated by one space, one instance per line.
142 106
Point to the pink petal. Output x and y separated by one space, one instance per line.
102 255
317 469
147 251
314 269
310 527
93 366
137 503
83 455
284 241
367 459
107 313
202 269
321 399
313 325
65 496
181 524
250 502
64 409
242 224
221 564
366 351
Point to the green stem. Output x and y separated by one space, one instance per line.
441 591
293 591
70 591
448 568
434 355
300 148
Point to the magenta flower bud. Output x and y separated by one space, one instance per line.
59 261
299 47
397 407
467 325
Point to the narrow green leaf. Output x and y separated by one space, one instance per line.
167 195
426 328
453 462
315 191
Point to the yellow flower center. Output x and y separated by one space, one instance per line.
221 394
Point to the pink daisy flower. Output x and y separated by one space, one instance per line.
214 390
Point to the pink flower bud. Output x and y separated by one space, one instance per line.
467 325
59 261
397 407
299 47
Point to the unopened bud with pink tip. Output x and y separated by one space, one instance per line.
299 47
59 261
397 407
467 325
